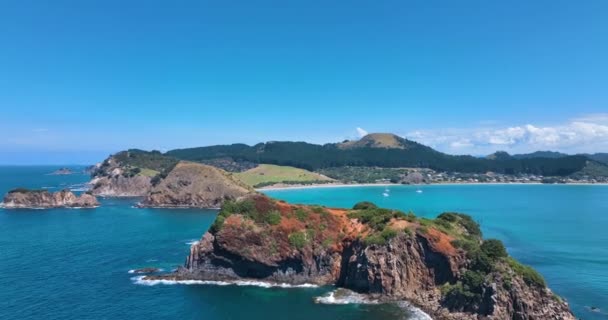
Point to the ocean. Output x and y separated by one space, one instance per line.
74 264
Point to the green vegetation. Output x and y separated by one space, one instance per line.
364 205
409 154
273 217
494 249
249 209
298 239
377 218
364 174
152 160
530 276
266 174
301 214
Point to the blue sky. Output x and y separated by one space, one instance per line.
82 79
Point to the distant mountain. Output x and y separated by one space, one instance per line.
383 150
600 157
499 155
378 140
540 154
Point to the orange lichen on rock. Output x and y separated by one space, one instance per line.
441 242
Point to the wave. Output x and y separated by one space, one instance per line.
136 270
191 242
415 313
252 283
343 296
79 187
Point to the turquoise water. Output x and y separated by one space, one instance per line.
73 264
561 230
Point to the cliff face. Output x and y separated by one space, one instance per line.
112 178
197 185
129 173
21 198
118 185
441 266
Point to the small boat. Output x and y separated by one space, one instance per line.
386 194
418 191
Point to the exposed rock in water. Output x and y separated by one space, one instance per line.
24 198
441 266
195 185
62 171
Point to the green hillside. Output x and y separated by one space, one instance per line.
266 174
379 150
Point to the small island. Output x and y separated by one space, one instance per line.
442 266
42 199
62 172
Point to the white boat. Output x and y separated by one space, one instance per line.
386 194
418 191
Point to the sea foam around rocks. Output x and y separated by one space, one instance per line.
342 296
152 282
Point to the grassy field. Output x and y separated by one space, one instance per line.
268 173
148 172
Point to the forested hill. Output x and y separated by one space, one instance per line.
380 150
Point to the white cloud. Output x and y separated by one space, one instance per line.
361 132
584 134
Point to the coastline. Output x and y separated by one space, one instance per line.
279 187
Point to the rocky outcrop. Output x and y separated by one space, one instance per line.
62 171
129 173
118 185
23 198
195 185
381 253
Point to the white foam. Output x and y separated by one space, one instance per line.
342 296
416 313
135 271
147 282
192 242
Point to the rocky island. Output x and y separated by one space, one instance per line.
42 199
442 266
62 172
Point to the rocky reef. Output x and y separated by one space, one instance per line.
195 185
62 172
42 199
442 266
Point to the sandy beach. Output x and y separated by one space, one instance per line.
352 185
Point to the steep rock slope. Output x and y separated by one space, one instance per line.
23 198
442 266
191 184
129 173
